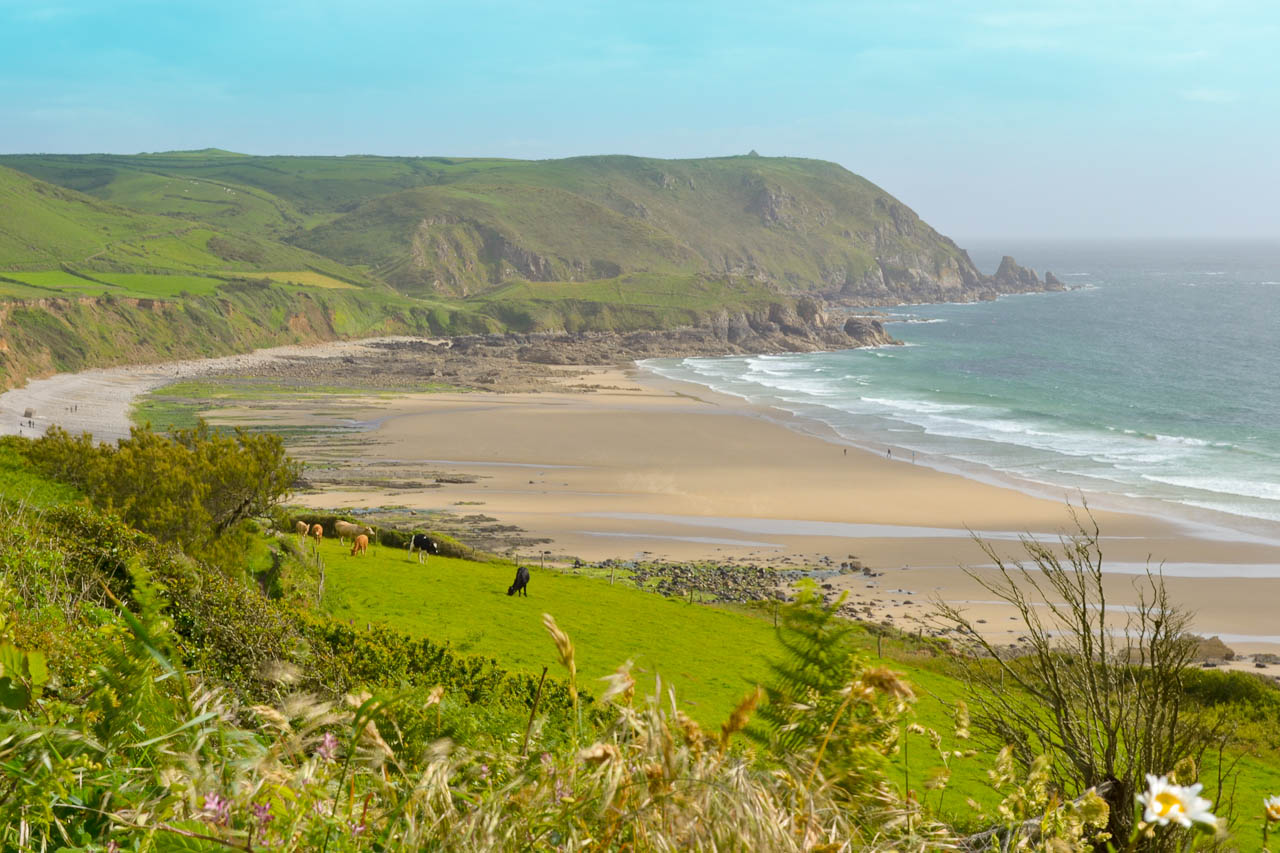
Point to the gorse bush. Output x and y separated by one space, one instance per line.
191 488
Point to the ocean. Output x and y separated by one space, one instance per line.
1151 386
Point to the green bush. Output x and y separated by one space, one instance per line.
191 488
354 658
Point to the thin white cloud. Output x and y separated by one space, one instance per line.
1208 95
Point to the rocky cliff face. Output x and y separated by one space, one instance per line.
795 226
776 329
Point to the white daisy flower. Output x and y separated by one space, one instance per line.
1164 803
1272 807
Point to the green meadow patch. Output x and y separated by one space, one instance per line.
180 404
711 656
160 286
306 278
137 285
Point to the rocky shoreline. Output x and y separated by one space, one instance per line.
537 361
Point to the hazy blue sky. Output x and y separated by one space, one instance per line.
991 119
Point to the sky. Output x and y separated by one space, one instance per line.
993 120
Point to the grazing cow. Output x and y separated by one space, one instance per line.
346 530
302 529
317 533
522 582
423 544
360 545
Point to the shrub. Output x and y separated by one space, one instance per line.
190 488
1101 698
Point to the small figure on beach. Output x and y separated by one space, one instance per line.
888 453
846 451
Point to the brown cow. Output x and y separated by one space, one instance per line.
360 545
317 533
346 530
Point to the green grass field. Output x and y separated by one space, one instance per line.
306 278
710 655
140 285
160 286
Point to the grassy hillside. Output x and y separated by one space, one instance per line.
438 245
47 227
87 283
463 226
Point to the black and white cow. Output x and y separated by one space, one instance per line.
423 544
521 584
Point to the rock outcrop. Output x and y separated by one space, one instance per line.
778 328
1012 278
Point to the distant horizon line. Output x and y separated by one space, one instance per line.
1049 239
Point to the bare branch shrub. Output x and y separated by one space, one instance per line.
1098 688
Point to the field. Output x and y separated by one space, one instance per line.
710 655
713 657
139 285
306 278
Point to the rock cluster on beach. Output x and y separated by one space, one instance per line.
718 582
517 361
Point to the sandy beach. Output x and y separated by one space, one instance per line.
618 463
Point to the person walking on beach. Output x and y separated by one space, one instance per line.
888 453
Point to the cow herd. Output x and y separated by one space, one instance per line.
360 536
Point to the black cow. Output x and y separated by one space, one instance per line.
522 582
423 544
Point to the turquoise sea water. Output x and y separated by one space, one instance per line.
1153 385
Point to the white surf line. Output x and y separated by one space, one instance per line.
489 464
798 527
1251 571
1225 571
1170 511
701 540
1261 639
